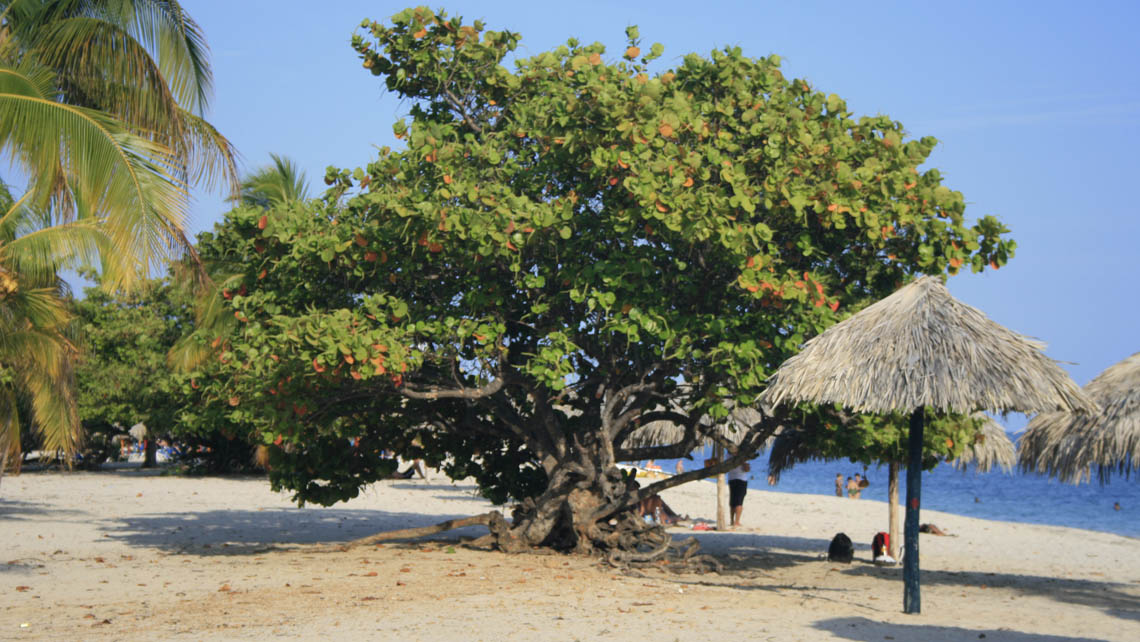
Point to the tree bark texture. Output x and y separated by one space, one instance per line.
721 493
893 506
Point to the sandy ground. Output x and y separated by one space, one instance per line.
128 555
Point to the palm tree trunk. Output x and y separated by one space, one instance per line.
893 504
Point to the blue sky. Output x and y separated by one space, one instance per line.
1036 105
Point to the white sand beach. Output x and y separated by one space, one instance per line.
129 555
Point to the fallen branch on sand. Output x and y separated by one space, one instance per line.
490 520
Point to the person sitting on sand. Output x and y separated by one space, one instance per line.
417 468
931 529
655 508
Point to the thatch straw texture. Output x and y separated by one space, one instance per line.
992 448
1069 445
922 347
664 433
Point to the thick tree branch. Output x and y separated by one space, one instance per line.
457 105
436 392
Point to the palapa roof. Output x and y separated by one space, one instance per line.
664 433
1068 445
922 347
991 448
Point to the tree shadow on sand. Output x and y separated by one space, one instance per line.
462 492
1113 598
243 532
857 628
749 554
15 509
758 552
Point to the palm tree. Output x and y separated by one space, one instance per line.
281 183
36 342
101 105
101 100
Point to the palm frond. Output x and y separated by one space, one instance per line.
101 66
281 183
127 180
212 320
211 158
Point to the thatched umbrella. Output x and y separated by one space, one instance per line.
657 433
921 347
1068 445
990 448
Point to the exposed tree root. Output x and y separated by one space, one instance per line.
625 541
411 533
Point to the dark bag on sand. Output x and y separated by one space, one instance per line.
841 549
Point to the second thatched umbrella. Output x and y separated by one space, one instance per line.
1068 445
922 347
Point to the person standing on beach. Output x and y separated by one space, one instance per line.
839 484
852 489
737 488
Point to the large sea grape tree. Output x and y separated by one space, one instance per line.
564 250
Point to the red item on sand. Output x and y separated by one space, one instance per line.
880 544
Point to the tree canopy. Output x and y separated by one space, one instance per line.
123 377
562 251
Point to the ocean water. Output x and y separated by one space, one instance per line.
1012 497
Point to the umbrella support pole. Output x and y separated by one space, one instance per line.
912 600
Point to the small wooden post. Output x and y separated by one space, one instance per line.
912 599
721 492
893 507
